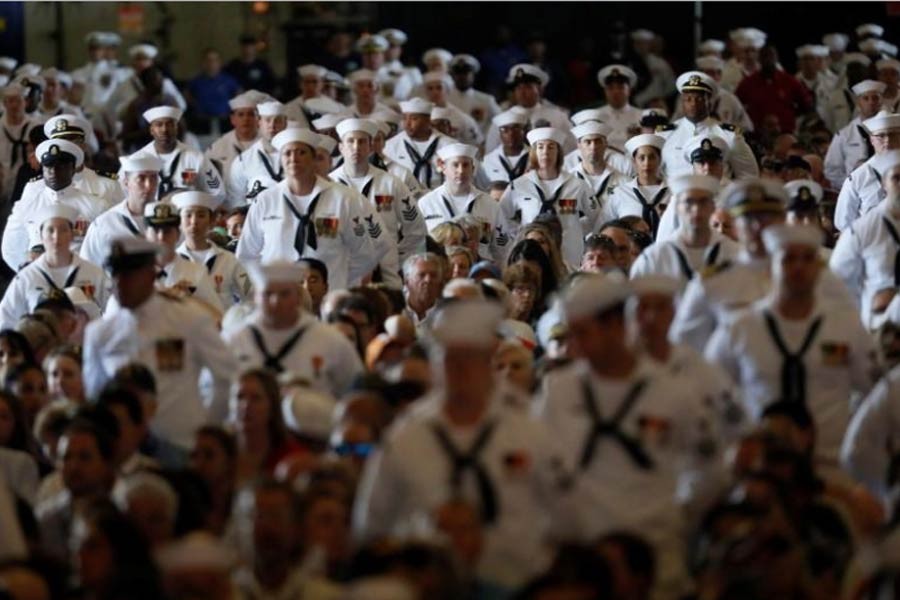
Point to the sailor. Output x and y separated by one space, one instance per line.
14 127
647 195
509 160
245 132
258 167
852 145
311 103
416 146
437 86
593 168
479 105
622 118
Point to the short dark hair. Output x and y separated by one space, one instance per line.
599 242
115 393
316 265
104 441
136 376
223 438
615 223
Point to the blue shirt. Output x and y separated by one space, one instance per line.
211 94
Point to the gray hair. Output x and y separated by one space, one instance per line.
412 262
145 484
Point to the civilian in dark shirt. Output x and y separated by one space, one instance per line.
208 94
771 91
251 71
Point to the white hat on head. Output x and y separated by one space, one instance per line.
836 42
28 70
591 128
857 57
14 90
795 187
162 112
295 134
715 46
445 56
590 295
350 125
470 323
777 237
884 162
551 325
509 117
50 73
889 49
440 113
710 63
654 112
546 133
644 35
312 71
49 148
56 211
326 143
804 51
394 36
588 114
372 43
466 60
123 249
868 85
513 330
528 71
707 145
242 101
645 139
888 63
386 116
871 46
196 550
275 271
457 150
183 200
616 72
62 125
81 301
437 77
148 50
883 121
271 109
654 283
362 75
329 121
869 29
684 183
7 63
384 127
140 162
696 81
416 106
749 36
308 412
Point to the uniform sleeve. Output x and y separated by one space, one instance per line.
218 359
741 159
211 179
590 206
236 185
14 246
509 217
412 224
862 358
172 90
846 211
864 451
376 508
91 249
641 266
95 377
668 223
383 242
363 254
720 351
834 162
14 304
847 262
250 244
694 321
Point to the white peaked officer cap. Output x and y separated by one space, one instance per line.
778 237
184 200
868 85
591 128
50 148
416 106
685 183
708 146
590 295
148 50
696 81
795 189
546 133
526 70
139 162
57 211
465 61
308 412
271 109
510 117
468 323
457 150
883 121
664 285
276 271
329 121
396 37
645 139
350 125
437 76
617 72
162 112
445 56
654 112
312 71
295 134
63 125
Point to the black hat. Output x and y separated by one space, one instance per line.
706 152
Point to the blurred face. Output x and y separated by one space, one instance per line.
52 90
269 127
273 524
245 122
711 167
617 94
597 260
130 433
356 147
646 161
547 152
142 185
620 238
150 514
459 171
797 268
31 388
527 94
467 372
64 378
84 470
541 239
869 103
251 414
59 175
436 92
167 236
463 79
326 525
443 125
654 315
514 366
424 283
93 555
57 235
315 285
695 105
280 303
722 222
322 162
196 221
597 338
134 286
164 133
7 423
364 91
885 140
459 266
9 356
808 66
593 149
373 60
695 207
749 230
417 126
512 137
209 461
311 86
522 298
234 224
14 106
889 77
298 159
212 63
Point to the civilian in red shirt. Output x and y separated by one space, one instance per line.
773 91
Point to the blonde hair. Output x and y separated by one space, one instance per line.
443 234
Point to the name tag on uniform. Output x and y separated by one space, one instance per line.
383 203
328 227
170 354
835 354
567 206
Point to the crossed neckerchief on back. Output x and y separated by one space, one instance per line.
611 427
462 461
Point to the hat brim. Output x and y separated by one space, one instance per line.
706 155
757 208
